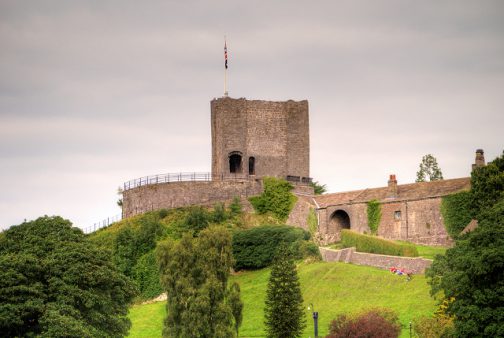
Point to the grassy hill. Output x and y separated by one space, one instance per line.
333 288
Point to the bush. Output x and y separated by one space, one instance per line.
426 327
219 213
235 208
255 248
456 211
197 219
373 323
372 244
146 276
276 198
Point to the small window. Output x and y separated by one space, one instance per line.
251 165
397 215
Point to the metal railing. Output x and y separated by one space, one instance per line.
102 224
183 177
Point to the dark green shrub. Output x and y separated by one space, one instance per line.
373 215
276 198
163 213
219 213
372 244
146 276
197 219
456 211
309 249
255 248
235 208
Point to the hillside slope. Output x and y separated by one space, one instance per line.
333 288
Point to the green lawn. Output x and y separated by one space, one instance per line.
430 252
333 288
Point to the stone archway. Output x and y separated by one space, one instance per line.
235 162
339 220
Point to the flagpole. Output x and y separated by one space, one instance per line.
225 67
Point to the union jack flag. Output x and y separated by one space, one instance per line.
225 55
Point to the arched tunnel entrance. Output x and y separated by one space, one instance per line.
339 220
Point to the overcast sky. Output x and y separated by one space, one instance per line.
95 93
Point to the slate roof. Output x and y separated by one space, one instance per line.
405 192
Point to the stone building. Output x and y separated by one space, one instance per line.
410 212
250 139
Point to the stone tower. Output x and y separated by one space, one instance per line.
260 138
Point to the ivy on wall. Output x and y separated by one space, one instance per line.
373 215
276 198
456 211
312 222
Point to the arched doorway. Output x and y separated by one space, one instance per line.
339 220
235 162
252 165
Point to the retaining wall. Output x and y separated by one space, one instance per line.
349 255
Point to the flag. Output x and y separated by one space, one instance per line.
225 55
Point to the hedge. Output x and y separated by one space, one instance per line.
372 244
254 248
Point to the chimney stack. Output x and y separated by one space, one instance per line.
392 186
480 159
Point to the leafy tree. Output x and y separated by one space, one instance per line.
284 312
373 323
487 186
318 188
194 272
472 273
54 282
429 169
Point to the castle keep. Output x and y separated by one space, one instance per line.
260 138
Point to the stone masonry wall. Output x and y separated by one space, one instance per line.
182 194
420 221
349 255
276 134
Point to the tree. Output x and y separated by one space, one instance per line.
236 305
318 188
194 272
54 282
471 274
284 312
429 169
